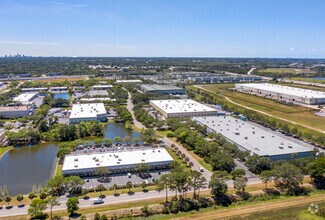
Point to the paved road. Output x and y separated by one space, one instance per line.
206 173
130 109
251 70
138 196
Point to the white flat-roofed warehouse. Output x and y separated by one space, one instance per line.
290 94
162 89
88 112
25 98
173 108
15 111
116 161
255 138
129 81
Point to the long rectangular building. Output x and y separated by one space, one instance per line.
173 108
162 89
255 138
25 98
287 93
88 112
116 161
15 111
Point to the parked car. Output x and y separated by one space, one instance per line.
97 201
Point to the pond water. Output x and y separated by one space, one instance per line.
117 129
62 96
23 167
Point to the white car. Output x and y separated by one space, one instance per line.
97 201
201 169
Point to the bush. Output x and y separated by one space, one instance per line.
101 187
170 134
165 210
97 216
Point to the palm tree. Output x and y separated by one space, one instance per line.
129 185
107 141
165 182
127 139
117 140
136 140
115 187
52 201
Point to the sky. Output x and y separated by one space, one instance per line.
163 28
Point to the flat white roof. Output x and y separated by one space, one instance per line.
181 106
116 158
90 110
102 86
97 99
159 87
129 81
34 88
25 97
305 93
261 141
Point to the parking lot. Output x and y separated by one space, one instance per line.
121 179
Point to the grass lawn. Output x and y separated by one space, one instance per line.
4 149
296 114
307 80
280 71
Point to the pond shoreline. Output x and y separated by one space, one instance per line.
6 151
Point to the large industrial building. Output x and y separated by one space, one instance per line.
222 77
162 89
284 93
15 111
36 89
136 81
88 112
255 138
25 98
173 108
116 161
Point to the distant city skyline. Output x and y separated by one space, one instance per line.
168 28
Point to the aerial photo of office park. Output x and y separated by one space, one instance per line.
112 130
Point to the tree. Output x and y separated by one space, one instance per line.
20 198
287 176
165 182
198 182
218 186
98 141
144 186
222 161
240 184
237 173
127 139
257 164
316 170
107 141
31 195
52 201
36 208
136 140
115 187
7 199
56 186
117 140
129 186
72 205
142 168
266 176
102 171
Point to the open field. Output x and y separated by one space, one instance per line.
280 71
317 88
295 114
69 79
307 80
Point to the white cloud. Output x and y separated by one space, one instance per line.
291 49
